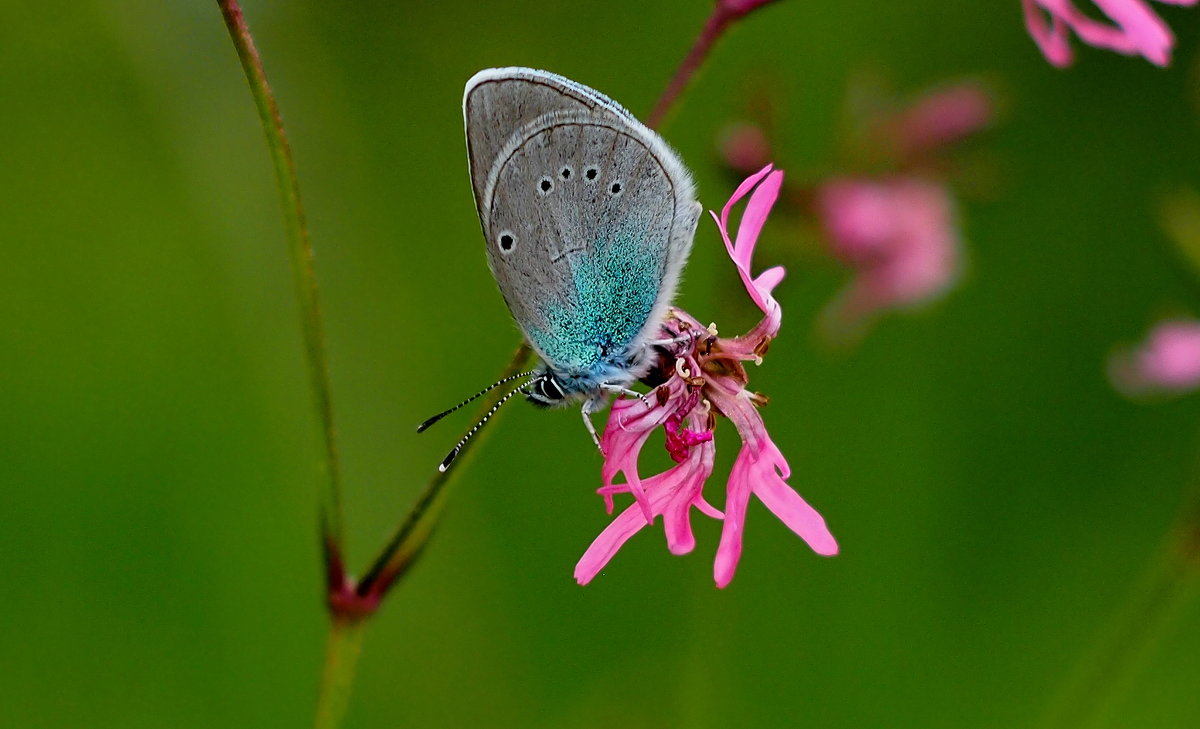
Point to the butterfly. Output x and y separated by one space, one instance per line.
588 218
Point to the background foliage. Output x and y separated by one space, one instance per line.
994 499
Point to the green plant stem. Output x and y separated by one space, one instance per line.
303 274
413 533
1106 673
341 657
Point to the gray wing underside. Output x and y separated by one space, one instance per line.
590 268
498 102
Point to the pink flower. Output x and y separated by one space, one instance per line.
1135 29
703 377
898 234
1167 362
942 117
744 147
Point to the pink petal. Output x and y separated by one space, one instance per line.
790 508
945 116
629 426
755 217
677 525
745 147
605 546
737 498
671 493
1142 27
900 236
1168 361
760 469
1136 29
1051 37
765 185
769 279
1090 31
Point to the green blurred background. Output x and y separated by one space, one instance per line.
994 499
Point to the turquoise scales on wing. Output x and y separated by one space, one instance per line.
616 287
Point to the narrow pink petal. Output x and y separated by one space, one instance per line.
1145 30
769 279
795 512
605 546
629 426
671 494
761 201
1051 39
677 526
760 469
745 147
708 509
677 515
1167 362
1136 28
945 116
755 217
1091 31
737 498
741 191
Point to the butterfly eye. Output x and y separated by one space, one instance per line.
615 189
545 185
507 241
591 173
566 173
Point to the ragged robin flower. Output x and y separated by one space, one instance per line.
900 237
1167 362
1133 28
703 380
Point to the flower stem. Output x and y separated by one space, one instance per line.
713 29
1106 673
303 275
413 533
723 15
341 656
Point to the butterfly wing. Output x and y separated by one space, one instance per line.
588 217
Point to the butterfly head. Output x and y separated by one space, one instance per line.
545 391
552 386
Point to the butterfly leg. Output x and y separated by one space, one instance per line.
681 339
586 411
617 389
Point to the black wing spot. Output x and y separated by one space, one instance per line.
545 185
615 189
591 173
566 173
507 241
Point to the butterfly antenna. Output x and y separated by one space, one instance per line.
454 453
424 426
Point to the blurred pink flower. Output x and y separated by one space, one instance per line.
744 147
1135 29
942 117
1167 362
704 377
898 234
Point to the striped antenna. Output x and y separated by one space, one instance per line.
452 454
424 426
